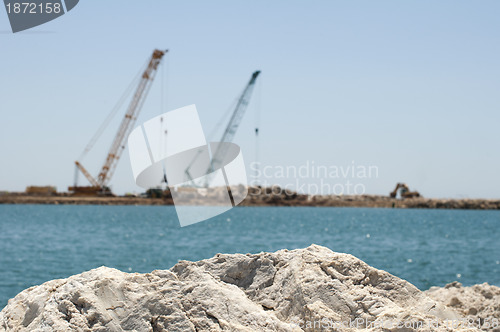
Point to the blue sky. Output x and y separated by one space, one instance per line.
410 87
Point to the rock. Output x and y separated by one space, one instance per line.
311 289
479 304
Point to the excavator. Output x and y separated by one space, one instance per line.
404 191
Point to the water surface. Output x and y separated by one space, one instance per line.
426 247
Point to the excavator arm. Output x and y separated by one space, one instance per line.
405 191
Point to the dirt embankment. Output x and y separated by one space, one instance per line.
277 197
80 200
268 197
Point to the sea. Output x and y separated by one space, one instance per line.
426 247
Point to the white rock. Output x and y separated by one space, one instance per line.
479 304
282 291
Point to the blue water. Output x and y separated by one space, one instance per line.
425 247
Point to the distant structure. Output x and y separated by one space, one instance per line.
99 185
41 191
404 191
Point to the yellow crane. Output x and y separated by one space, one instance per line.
99 185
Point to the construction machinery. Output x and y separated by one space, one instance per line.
404 191
230 131
41 190
99 185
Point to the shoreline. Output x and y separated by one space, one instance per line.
268 199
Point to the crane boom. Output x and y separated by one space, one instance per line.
128 121
239 110
233 124
87 174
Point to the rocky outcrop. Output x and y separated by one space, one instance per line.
311 289
479 304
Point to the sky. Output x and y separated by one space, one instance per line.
409 89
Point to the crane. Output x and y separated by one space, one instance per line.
100 184
232 127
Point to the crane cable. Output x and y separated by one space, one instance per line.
258 106
163 131
227 114
212 136
222 120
